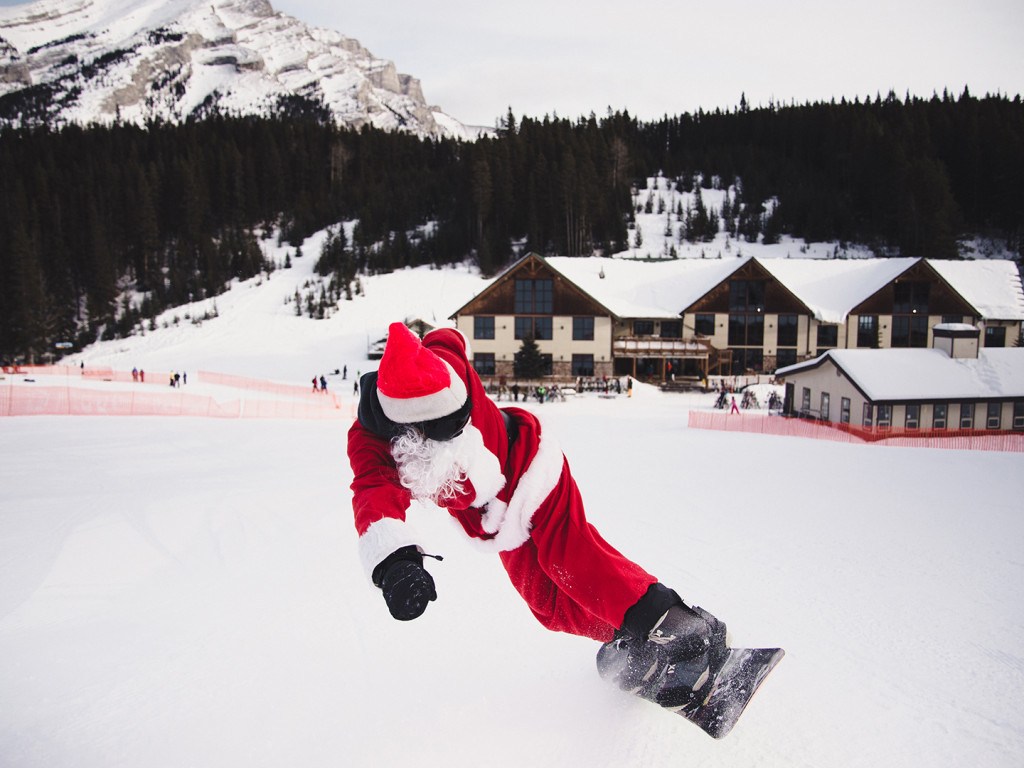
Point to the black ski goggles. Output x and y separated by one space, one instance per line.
447 427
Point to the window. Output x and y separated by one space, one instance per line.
583 329
825 406
746 330
582 365
539 328
910 331
884 416
828 336
643 327
844 410
746 296
1018 415
912 419
910 297
744 360
867 331
483 327
995 337
483 363
534 297
952 318
785 357
939 411
866 418
746 324
671 329
966 415
704 325
787 330
805 399
994 417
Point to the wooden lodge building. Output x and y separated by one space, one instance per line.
687 318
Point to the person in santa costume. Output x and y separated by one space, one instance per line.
427 430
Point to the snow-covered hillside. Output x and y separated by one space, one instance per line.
179 591
86 61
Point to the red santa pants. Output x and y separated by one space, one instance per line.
572 579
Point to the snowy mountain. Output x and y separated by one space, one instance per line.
84 61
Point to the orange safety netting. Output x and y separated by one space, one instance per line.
958 439
156 398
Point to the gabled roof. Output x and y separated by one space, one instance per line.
907 375
532 261
991 287
831 288
646 289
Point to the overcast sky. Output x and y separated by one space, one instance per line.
572 57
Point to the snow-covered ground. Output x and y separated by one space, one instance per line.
186 592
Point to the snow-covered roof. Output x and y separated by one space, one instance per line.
992 287
832 287
648 289
925 374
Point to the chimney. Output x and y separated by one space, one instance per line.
958 340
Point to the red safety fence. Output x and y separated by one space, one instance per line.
957 439
74 401
286 402
268 387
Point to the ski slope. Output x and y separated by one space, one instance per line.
186 592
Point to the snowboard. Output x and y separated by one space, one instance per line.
741 673
733 687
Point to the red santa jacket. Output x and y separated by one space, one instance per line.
507 480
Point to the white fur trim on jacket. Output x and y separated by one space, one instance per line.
511 523
381 539
484 469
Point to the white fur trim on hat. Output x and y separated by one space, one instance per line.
443 402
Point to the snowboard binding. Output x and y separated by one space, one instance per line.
683 663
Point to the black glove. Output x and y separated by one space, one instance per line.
406 585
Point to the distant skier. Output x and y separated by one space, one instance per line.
427 430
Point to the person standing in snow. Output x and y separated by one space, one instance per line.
426 430
734 408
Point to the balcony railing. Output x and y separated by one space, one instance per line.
654 346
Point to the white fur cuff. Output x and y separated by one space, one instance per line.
381 539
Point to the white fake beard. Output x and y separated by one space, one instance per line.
431 469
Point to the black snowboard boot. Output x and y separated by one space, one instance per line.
666 651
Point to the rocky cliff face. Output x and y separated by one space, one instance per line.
89 61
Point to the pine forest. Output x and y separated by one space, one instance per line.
104 227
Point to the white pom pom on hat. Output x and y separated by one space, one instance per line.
414 384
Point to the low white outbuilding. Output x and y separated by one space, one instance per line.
957 384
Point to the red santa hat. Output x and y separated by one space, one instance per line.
413 383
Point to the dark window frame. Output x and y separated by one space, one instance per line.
534 296
704 324
483 327
582 365
583 328
484 363
828 336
